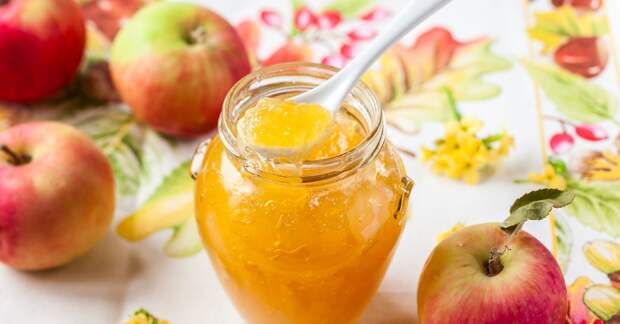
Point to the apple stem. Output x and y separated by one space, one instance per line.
494 266
16 159
197 36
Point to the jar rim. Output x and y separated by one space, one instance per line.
320 169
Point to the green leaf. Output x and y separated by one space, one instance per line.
158 159
564 241
178 180
169 205
185 240
464 73
604 255
296 4
348 8
596 205
573 96
559 166
603 301
536 205
149 317
115 131
414 83
553 27
410 111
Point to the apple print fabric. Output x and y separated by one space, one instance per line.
543 72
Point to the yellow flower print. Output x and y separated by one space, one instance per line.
549 177
604 166
462 155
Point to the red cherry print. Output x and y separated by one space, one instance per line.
561 143
349 50
271 18
592 133
334 60
580 4
362 34
329 19
586 56
375 14
305 18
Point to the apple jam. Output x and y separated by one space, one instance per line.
275 123
303 242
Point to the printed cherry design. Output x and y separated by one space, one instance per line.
591 133
375 14
305 18
586 56
334 60
362 34
561 142
349 50
271 18
329 19
580 4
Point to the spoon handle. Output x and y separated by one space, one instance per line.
409 17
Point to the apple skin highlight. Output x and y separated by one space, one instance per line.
455 288
41 46
55 207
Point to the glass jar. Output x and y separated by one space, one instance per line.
301 242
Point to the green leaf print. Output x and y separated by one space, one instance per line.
171 205
185 241
115 131
563 239
573 96
348 8
596 205
603 301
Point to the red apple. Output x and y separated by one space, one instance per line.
457 285
495 273
41 46
173 64
56 195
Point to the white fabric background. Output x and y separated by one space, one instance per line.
116 278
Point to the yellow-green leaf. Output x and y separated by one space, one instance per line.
596 205
170 204
604 255
603 301
348 8
573 96
185 241
552 28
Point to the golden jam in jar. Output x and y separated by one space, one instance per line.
276 124
310 247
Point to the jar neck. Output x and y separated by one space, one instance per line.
288 80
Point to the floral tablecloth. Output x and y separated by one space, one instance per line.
506 63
